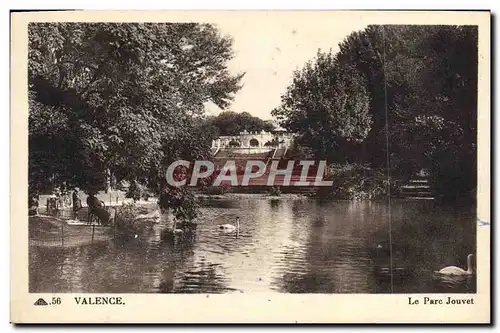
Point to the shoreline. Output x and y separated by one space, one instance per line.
297 196
252 196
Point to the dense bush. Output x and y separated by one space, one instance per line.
180 201
125 219
125 215
216 190
275 191
356 182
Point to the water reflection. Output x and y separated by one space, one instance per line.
291 246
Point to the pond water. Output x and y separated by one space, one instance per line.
283 245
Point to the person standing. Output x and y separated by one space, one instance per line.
77 203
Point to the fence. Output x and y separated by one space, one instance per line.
71 235
44 237
69 214
74 230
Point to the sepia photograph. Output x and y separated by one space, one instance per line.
248 156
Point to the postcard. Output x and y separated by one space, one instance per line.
250 167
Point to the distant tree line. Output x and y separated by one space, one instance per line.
228 123
409 89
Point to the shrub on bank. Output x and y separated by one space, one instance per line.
125 215
275 191
125 218
181 202
126 211
355 182
215 190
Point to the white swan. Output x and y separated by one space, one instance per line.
230 227
454 270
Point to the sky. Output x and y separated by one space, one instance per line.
269 49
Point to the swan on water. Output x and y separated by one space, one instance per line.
454 270
231 227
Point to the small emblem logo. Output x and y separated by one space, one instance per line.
41 301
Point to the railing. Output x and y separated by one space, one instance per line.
83 214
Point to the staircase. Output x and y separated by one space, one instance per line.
279 153
214 151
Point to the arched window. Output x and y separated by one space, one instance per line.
234 143
254 143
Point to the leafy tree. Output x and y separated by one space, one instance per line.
327 106
123 92
421 87
123 97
